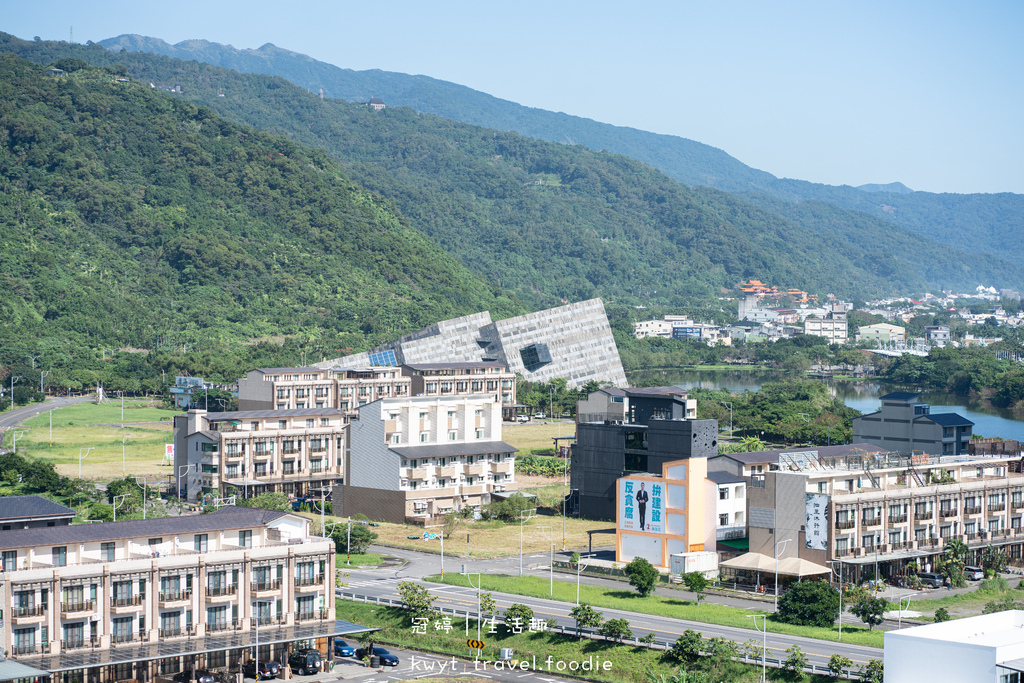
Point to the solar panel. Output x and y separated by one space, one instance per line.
383 358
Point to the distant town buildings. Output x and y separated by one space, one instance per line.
376 103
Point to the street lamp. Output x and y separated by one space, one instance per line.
81 458
441 535
521 522
579 566
783 542
551 558
899 615
13 380
16 436
182 474
144 492
479 583
764 640
728 403
123 498
121 394
840 589
124 442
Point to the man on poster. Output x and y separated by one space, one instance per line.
641 501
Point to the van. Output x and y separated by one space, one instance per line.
931 580
974 573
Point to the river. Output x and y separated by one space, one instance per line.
988 421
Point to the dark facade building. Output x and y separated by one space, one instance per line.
606 451
904 425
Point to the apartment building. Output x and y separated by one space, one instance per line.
419 457
833 326
730 505
145 598
311 387
903 424
464 379
637 405
250 452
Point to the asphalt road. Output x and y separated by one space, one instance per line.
419 665
384 583
10 418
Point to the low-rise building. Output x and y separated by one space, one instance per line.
417 458
833 326
33 512
258 451
905 425
637 405
937 334
140 599
464 379
730 505
313 387
882 332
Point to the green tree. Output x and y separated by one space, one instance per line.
954 558
616 629
870 611
837 663
488 606
697 584
688 646
586 617
872 672
809 603
796 660
266 501
642 576
416 598
362 538
941 615
518 614
993 559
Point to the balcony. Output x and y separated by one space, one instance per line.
922 516
972 510
79 643
870 521
67 608
290 450
996 507
897 519
288 469
267 621
476 469
309 581
844 552
168 598
846 524
261 586
27 615
227 625
311 615
449 471
215 592
126 603
122 638
32 649
178 632
949 512
1017 505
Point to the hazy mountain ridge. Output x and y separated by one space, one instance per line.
983 223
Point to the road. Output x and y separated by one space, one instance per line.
419 665
383 583
10 418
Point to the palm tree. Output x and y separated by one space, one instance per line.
954 559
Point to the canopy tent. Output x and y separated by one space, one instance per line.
788 566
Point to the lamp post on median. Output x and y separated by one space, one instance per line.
840 589
764 640
783 543
13 380
551 558
899 614
479 583
123 497
144 492
529 514
579 566
81 458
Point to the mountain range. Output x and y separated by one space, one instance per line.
982 223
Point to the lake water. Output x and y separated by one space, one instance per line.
862 396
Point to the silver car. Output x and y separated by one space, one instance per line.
974 573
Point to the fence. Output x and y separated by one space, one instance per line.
593 634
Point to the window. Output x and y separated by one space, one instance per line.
122 632
310 423
170 624
60 556
423 437
107 552
396 438
452 435
479 433
282 424
245 538
723 494
723 519
232 470
9 560
199 543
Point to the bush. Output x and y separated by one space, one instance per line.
518 614
809 603
642 576
870 611
616 629
687 648
999 606
508 510
941 615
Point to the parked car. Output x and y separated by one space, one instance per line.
974 573
343 649
386 658
201 676
538 416
307 661
269 669
523 418
931 580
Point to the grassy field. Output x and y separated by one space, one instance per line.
662 605
537 436
88 425
358 560
967 604
487 539
626 663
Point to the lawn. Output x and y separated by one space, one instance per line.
88 425
968 604
487 539
660 605
358 560
625 662
537 436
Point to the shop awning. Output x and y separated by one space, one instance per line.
794 566
787 566
751 562
742 544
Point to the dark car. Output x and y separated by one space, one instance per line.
343 649
931 579
306 661
268 669
386 658
201 676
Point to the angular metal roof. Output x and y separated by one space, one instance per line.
25 507
446 449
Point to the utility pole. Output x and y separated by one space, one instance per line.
13 380
123 497
42 376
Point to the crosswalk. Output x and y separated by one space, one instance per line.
346 585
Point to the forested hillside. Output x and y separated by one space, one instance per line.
129 217
984 223
552 222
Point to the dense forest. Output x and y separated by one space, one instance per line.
983 223
553 223
130 218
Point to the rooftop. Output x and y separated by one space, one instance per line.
900 396
24 507
947 419
454 366
257 414
725 478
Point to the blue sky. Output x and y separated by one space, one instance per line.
926 93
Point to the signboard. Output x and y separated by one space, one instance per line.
641 506
168 451
817 521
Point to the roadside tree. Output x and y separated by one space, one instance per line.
642 576
809 603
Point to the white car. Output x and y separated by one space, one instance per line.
974 573
538 416
523 418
